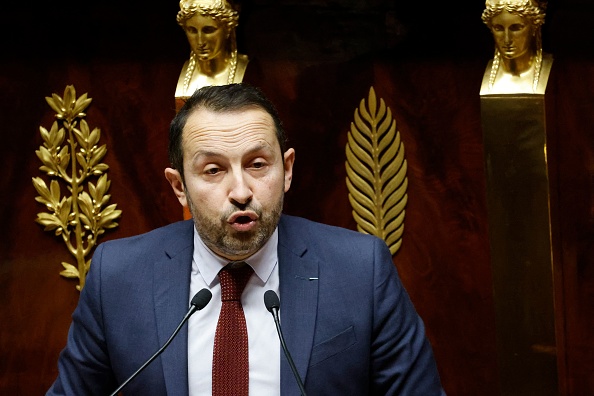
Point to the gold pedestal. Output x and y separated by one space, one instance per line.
514 132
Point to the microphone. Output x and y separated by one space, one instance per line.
199 301
273 304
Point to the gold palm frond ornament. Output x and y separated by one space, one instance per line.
376 172
71 157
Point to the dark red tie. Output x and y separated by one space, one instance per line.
230 363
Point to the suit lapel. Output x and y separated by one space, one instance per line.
172 289
298 295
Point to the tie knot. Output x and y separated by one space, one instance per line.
233 279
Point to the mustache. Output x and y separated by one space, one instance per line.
243 208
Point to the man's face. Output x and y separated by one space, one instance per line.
206 36
235 179
512 35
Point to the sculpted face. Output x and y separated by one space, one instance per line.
513 35
206 36
235 179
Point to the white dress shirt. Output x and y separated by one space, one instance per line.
264 344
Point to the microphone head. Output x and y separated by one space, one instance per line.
271 300
201 299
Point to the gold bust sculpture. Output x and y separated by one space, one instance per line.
210 28
519 64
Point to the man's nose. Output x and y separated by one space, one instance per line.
240 190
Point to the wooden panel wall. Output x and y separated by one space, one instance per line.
316 60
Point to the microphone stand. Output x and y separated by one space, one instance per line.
199 301
272 304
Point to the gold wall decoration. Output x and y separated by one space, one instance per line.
71 157
376 172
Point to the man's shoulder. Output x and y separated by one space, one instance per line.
331 246
307 230
165 235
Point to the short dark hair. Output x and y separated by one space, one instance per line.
220 99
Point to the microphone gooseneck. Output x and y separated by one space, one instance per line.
199 301
273 304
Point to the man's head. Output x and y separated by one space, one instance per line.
220 99
230 167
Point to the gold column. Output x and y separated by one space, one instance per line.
514 132
518 200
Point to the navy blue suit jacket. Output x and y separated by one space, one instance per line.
347 320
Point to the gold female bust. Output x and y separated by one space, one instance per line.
519 64
210 29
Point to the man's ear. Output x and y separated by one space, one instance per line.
289 160
175 180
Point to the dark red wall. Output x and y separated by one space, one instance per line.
316 60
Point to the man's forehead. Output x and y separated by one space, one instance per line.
224 117
204 124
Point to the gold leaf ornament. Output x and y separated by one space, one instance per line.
70 155
376 172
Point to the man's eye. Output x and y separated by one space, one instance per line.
211 171
258 165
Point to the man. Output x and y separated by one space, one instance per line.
347 321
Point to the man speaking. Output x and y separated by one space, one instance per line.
349 325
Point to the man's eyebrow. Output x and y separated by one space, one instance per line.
259 147
214 154
201 154
207 153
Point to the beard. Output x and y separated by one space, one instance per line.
231 244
